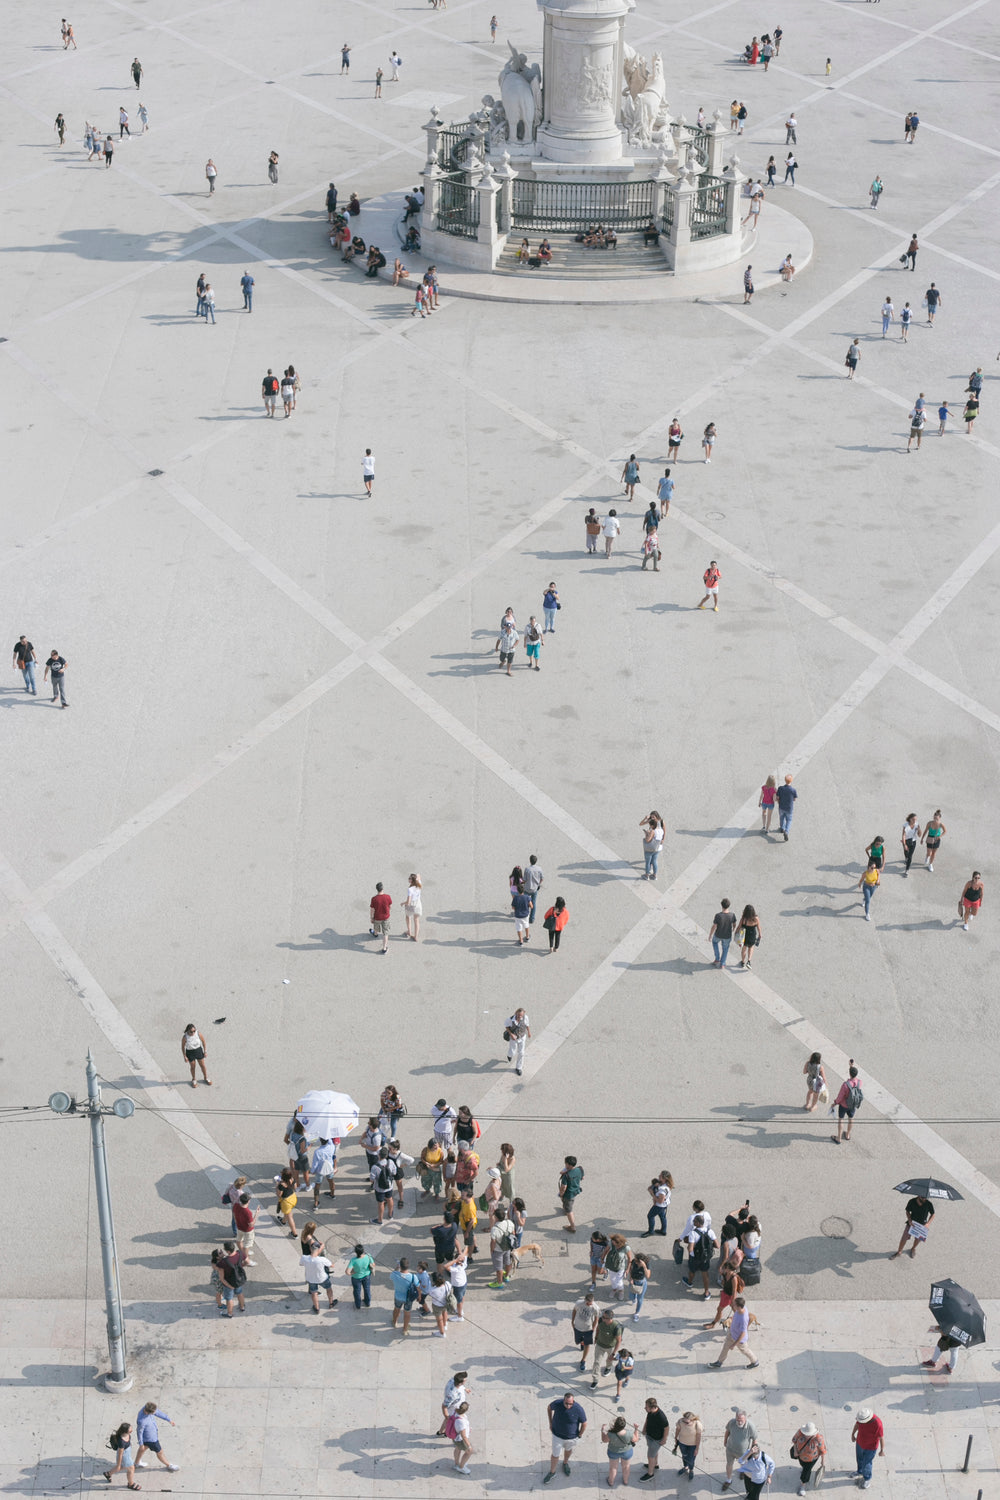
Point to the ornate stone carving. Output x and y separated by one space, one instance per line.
521 92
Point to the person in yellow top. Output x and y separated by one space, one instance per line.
431 1160
468 1218
868 885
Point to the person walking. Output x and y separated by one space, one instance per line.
55 670
143 114
405 1288
345 58
786 806
570 1188
905 319
918 418
876 851
554 922
148 1433
493 28
368 471
379 75
908 838
919 1214
583 1321
413 907
710 578
675 437
508 643
395 63
876 190
592 529
461 1445
638 1281
567 1424
60 127
808 1449
769 170
911 250
659 1190
651 550
688 1433
888 315
246 287
608 1337
791 125
317 1268
532 881
520 905
847 1103
815 1075
208 303
211 172
970 900
749 935
610 527
736 1337
946 1348
269 388
739 1436
25 661
933 833
932 297
121 1442
378 915
67 36
766 804
620 1439
756 1467
721 934
653 833
790 166
630 476
272 166
970 413
194 1050
868 1436
109 151
665 493
123 129
359 1269
534 640
747 297
517 1033
868 885
550 604
136 71
655 1428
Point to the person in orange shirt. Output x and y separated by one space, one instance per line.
554 921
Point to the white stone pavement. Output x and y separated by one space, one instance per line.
281 692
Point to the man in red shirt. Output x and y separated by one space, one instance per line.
869 1439
379 915
245 1218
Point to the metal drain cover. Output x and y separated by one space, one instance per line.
837 1229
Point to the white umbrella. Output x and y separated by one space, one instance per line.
326 1113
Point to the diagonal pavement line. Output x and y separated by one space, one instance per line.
149 1077
57 529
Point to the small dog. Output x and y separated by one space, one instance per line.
754 1321
536 1251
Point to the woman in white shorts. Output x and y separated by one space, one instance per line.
463 1448
413 907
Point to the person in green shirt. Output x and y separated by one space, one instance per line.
360 1270
570 1188
607 1342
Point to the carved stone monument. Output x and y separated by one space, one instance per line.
583 54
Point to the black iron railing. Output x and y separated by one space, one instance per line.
708 209
574 205
458 209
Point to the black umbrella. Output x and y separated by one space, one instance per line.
957 1313
929 1187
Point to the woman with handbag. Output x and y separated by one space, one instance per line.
391 1109
749 935
554 921
429 1169
808 1449
620 1438
413 909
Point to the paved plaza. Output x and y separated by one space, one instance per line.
281 691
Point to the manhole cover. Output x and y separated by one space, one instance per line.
837 1229
155 473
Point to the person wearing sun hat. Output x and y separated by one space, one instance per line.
809 1449
869 1439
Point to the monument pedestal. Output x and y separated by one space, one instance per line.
582 60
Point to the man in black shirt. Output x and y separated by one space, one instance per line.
55 667
919 1213
24 661
444 1236
723 927
654 1430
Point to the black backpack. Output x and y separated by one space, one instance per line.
385 1177
750 1271
701 1255
855 1098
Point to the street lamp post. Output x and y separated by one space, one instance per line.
119 1379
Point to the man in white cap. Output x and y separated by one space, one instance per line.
740 1433
809 1448
869 1439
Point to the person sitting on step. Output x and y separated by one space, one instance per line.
650 235
545 253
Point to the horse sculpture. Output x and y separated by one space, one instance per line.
521 92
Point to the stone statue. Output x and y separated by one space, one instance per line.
648 114
493 117
521 92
